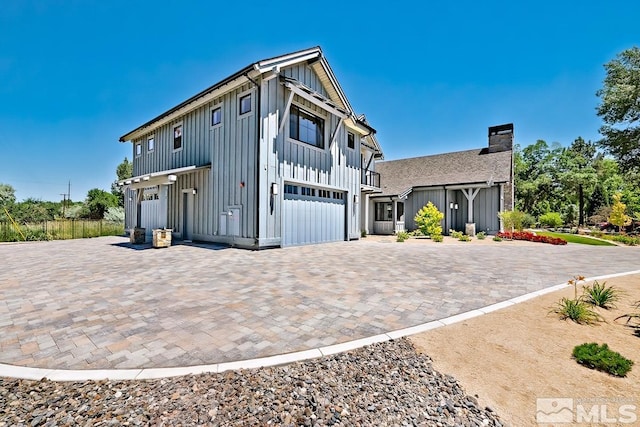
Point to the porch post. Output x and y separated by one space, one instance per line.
366 213
395 213
140 196
470 194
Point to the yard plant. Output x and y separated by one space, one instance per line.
601 295
428 220
401 236
602 358
576 310
551 219
481 235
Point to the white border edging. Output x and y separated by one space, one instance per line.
27 373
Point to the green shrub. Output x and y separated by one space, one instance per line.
401 236
481 235
363 233
576 310
551 219
528 220
600 295
512 219
464 238
497 238
428 219
416 233
602 358
455 234
630 241
437 238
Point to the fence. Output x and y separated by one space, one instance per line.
59 230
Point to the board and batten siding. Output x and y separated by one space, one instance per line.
285 160
417 199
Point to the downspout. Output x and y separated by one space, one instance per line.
257 166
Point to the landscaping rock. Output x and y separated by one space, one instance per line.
386 384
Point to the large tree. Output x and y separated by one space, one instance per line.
620 109
98 201
576 172
7 195
123 171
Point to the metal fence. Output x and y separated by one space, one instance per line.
59 230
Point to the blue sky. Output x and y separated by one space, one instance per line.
430 76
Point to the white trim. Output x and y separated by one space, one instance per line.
151 137
137 149
335 133
315 101
275 64
213 108
173 136
285 115
249 92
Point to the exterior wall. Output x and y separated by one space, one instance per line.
417 199
285 160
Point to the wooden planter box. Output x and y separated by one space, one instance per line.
162 237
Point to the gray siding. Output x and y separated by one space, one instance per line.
486 206
417 199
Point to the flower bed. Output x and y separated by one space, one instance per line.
531 237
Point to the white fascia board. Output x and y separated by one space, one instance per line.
187 108
336 85
474 185
286 60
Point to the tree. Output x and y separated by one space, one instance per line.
123 171
7 195
619 216
428 220
98 201
620 109
576 171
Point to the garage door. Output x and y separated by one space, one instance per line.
312 215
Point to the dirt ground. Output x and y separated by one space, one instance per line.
513 356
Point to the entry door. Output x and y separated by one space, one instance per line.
187 216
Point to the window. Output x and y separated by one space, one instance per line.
245 104
305 127
177 137
216 116
151 142
351 140
290 189
138 149
384 211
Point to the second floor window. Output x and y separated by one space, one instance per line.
245 104
351 140
306 127
177 137
151 142
216 116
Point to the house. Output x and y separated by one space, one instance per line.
469 187
272 155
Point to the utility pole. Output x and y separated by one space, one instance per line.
64 204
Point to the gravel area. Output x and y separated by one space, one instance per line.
386 384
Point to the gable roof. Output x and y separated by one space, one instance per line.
313 56
461 167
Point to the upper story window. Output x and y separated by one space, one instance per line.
177 137
151 144
216 116
138 149
245 104
351 140
306 127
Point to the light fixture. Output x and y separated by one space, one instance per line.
455 206
274 188
356 199
194 191
451 205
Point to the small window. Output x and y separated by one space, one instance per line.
384 211
177 137
151 143
351 140
306 127
216 116
291 189
245 104
138 149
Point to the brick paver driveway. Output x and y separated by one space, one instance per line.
98 303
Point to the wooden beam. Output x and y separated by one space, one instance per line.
285 114
335 133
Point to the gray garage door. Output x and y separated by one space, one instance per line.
312 215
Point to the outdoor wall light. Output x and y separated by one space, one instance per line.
356 199
451 205
455 206
274 189
194 191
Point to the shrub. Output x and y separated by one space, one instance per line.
416 233
633 317
481 235
600 295
401 236
602 358
437 238
551 219
455 234
512 219
576 310
630 241
363 233
464 238
528 220
497 238
428 219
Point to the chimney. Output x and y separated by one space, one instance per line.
501 138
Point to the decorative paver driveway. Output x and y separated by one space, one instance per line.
98 303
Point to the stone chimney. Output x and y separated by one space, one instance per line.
501 138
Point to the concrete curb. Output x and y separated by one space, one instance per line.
19 372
